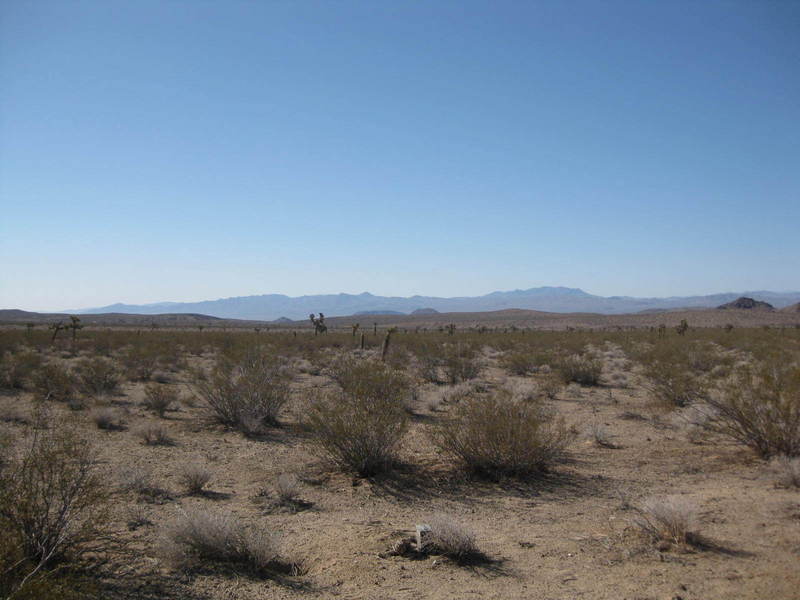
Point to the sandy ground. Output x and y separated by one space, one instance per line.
568 535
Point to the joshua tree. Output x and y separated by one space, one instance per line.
319 323
29 327
729 327
451 329
56 327
683 327
385 347
662 330
355 327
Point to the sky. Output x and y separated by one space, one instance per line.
183 151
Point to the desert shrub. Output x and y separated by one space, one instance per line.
246 395
550 385
194 477
580 369
199 537
449 537
428 362
522 362
106 418
460 363
140 361
760 407
359 433
97 376
159 398
52 511
669 519
56 383
154 434
673 384
16 369
371 379
496 435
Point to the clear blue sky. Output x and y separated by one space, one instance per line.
163 150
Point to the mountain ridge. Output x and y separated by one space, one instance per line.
268 307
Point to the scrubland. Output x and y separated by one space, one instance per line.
462 463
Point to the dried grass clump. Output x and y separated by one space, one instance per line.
580 369
287 489
194 477
601 436
760 408
448 537
140 481
247 395
497 435
155 434
159 398
359 433
107 418
97 376
788 471
669 520
199 537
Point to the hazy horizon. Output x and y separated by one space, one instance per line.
197 300
190 151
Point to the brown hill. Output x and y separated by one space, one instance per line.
792 308
745 303
14 316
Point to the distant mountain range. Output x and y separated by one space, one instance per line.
270 307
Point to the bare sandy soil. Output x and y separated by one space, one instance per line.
566 535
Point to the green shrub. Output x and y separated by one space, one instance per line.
55 382
360 433
52 511
97 376
461 364
159 398
497 435
17 369
247 395
760 408
674 385
580 369
519 362
372 379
